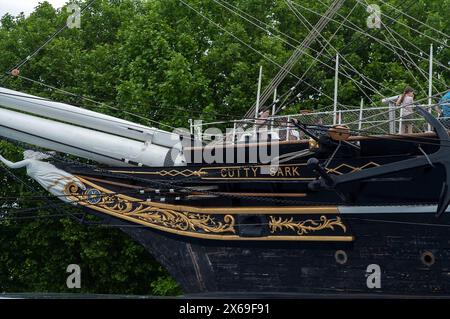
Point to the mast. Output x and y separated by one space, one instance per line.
258 93
336 84
430 82
430 77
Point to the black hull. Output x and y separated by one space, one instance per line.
260 233
412 250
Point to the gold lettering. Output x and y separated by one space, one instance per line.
280 172
254 169
272 171
295 171
246 169
287 171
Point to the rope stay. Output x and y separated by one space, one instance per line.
298 53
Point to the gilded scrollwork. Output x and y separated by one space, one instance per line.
307 226
188 221
145 211
185 221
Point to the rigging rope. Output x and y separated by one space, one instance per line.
315 59
327 43
268 26
280 38
422 55
247 45
412 29
416 20
298 53
404 61
390 31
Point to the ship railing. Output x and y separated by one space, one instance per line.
361 121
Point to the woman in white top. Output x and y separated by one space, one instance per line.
406 101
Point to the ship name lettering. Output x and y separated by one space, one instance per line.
287 171
252 172
246 172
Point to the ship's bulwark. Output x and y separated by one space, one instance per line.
411 250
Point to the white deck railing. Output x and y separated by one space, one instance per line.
370 120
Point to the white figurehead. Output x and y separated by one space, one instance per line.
47 175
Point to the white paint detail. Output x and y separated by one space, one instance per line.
399 209
53 179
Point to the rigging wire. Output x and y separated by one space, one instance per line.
403 106
251 120
327 43
36 51
276 36
390 31
417 48
359 30
299 51
410 28
358 35
293 46
240 13
268 26
62 28
168 184
416 20
115 108
248 197
404 61
250 47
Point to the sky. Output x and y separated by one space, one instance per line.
14 7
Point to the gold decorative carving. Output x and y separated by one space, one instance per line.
186 221
170 173
305 227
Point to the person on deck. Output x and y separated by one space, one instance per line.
406 101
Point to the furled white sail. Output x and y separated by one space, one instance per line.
101 147
71 114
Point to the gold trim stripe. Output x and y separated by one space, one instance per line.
228 210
